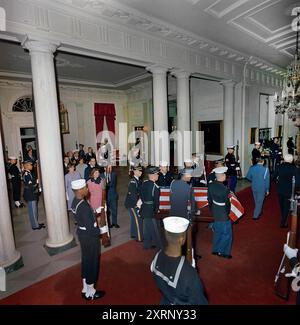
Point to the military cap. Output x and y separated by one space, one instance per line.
175 225
140 168
230 146
151 170
12 157
220 170
78 184
187 172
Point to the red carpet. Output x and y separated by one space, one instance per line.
125 275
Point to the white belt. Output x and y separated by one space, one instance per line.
218 203
82 228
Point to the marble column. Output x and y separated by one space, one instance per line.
228 111
49 140
183 113
160 114
10 258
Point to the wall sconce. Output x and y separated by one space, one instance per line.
64 119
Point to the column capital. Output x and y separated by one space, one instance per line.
228 83
158 69
180 73
39 45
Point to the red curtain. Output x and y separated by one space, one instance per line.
108 111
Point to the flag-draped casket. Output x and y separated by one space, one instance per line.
236 210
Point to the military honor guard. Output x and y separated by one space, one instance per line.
165 177
150 204
112 195
291 254
284 175
132 204
256 153
219 205
291 146
89 238
178 281
30 194
15 177
212 175
232 166
182 199
259 176
275 154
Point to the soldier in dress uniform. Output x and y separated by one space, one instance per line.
89 238
165 177
291 146
182 200
212 175
15 176
276 154
178 281
150 204
232 166
291 254
219 205
31 195
256 154
133 203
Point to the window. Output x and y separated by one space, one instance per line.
23 104
212 136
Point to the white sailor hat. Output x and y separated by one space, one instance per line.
187 160
257 142
175 225
12 157
163 164
230 147
220 170
78 184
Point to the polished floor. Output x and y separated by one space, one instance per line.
38 265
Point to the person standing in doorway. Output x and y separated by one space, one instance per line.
15 177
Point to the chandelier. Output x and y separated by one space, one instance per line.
289 102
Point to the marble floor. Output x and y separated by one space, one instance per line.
38 264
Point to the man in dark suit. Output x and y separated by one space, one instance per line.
112 195
15 176
284 175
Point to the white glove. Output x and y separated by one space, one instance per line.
290 252
139 203
98 210
203 181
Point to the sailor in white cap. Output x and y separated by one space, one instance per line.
232 165
15 177
256 153
219 205
89 238
165 177
178 281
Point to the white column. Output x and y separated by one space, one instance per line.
160 114
228 111
9 256
49 140
183 112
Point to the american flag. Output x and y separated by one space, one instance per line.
236 210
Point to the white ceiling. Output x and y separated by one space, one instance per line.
71 69
261 28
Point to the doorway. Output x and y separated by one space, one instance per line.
28 138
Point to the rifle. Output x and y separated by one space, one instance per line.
239 172
282 281
103 223
189 241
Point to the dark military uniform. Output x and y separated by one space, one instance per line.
291 146
150 197
276 156
132 197
182 199
211 178
15 181
232 165
219 205
112 196
178 281
284 175
256 154
31 197
164 179
89 238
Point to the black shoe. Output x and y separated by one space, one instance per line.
110 226
255 218
225 256
21 205
98 294
283 226
42 225
215 253
116 225
39 227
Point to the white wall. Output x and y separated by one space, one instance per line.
80 105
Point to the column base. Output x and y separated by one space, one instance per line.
56 250
14 266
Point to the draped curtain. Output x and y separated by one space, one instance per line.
107 111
